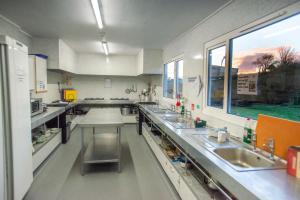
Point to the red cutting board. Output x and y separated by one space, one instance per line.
285 132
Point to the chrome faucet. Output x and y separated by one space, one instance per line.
173 108
188 114
270 145
225 130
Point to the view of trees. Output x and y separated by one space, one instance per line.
279 78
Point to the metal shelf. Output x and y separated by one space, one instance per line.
39 146
102 149
196 186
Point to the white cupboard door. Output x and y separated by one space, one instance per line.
173 175
31 72
185 192
41 74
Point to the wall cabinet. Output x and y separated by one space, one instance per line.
37 73
60 55
150 61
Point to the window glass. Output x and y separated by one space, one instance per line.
179 79
216 72
169 79
265 71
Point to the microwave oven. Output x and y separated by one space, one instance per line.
36 106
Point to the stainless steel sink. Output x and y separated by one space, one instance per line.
242 159
180 122
158 110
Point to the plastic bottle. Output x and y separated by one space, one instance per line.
182 106
177 103
247 131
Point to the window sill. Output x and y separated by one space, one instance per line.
221 115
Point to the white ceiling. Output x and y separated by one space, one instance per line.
129 24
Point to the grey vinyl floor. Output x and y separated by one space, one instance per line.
141 177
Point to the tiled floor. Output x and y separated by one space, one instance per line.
141 177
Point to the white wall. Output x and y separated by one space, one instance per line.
49 47
191 44
14 31
97 64
156 82
53 93
93 86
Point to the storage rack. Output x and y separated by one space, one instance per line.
149 125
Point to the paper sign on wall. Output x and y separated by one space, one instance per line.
196 84
247 84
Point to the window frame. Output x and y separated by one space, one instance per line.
175 60
222 44
226 40
164 89
177 71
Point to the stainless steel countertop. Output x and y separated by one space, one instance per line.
66 105
99 117
110 102
247 185
46 116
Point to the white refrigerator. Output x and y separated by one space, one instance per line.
15 124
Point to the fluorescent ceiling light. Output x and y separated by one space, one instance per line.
96 9
105 47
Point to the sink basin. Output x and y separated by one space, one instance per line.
242 159
162 110
180 122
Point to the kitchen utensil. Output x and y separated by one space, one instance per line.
127 91
125 110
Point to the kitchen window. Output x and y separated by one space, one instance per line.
216 74
263 75
179 78
169 79
173 79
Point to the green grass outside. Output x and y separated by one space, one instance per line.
291 112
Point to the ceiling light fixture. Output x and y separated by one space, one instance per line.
105 47
96 9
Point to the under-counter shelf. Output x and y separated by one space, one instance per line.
102 149
187 186
43 150
38 146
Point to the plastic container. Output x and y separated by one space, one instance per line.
247 131
200 124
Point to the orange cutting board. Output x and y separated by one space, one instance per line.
285 133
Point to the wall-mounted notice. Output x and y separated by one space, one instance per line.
196 84
247 84
107 83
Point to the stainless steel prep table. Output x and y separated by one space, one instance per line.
101 118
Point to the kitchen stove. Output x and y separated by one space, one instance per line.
119 99
94 98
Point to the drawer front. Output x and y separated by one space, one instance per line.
165 163
185 192
173 175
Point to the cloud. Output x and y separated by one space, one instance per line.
244 60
